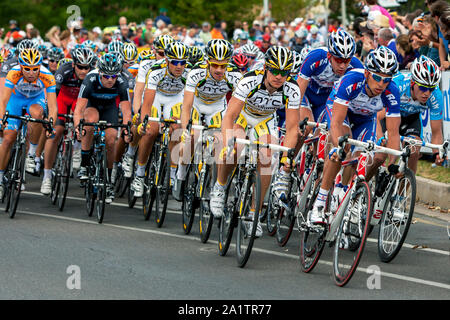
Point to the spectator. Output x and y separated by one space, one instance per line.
265 44
237 30
13 27
122 22
373 5
437 9
216 32
385 37
65 40
444 25
189 39
426 28
258 30
160 26
223 28
299 40
163 16
205 33
53 36
314 38
405 51
124 33
138 40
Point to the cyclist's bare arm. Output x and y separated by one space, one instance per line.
126 110
336 127
302 84
138 91
188 101
292 120
6 94
79 110
149 98
392 128
380 116
436 133
52 106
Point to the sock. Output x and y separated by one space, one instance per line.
218 186
32 149
181 173
173 171
47 174
321 198
115 165
140 172
337 189
131 150
2 172
85 157
77 145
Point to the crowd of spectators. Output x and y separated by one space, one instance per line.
419 32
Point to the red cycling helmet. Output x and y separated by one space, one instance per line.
240 60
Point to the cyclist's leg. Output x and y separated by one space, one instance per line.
91 114
411 126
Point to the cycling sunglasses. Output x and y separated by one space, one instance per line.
378 78
276 72
83 67
28 69
178 62
107 77
341 60
424 88
52 60
219 65
250 57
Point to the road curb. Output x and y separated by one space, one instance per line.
433 192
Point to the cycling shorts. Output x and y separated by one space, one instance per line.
410 125
260 126
169 105
65 103
108 112
212 113
18 102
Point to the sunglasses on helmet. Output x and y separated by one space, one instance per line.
277 72
378 78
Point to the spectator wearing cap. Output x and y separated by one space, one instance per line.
264 45
13 27
314 38
205 33
373 5
216 32
163 16
258 30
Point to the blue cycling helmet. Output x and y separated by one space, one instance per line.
341 44
110 64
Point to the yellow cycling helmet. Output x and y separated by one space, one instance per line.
129 52
177 51
63 61
30 57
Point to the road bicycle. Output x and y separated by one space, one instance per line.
15 172
98 179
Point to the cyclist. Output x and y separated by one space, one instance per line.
24 90
97 101
195 55
251 52
352 108
205 95
257 97
419 93
164 93
159 44
69 78
54 55
240 61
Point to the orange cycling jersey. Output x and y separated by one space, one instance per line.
16 81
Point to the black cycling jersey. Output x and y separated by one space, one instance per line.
8 65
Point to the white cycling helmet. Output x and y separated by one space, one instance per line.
341 44
382 60
425 71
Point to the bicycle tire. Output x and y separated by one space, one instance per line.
388 248
205 216
310 252
162 188
271 214
65 175
16 186
188 203
286 220
102 183
149 195
56 177
243 250
350 232
228 222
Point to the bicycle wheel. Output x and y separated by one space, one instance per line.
65 174
121 183
397 215
56 177
271 213
352 234
102 184
312 240
250 197
286 218
90 192
149 195
188 204
206 219
17 180
162 182
130 194
229 220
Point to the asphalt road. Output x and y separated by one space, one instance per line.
47 254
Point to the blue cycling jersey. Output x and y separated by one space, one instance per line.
351 92
317 69
409 106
